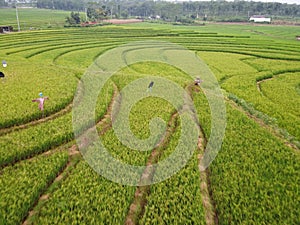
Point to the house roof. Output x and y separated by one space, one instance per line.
258 16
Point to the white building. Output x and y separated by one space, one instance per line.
260 19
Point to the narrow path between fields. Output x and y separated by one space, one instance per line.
103 123
273 130
74 158
137 207
258 84
62 112
211 216
273 76
55 115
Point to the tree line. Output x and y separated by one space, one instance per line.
172 11
92 14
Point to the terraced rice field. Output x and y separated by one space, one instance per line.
253 180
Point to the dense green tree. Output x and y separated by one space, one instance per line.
74 18
96 14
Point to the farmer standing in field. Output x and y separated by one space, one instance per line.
198 81
4 64
41 101
150 86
